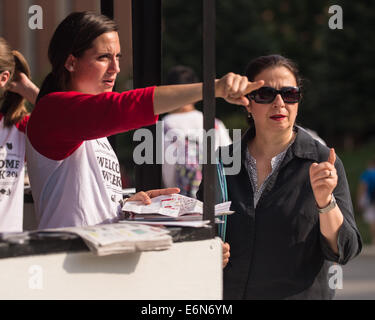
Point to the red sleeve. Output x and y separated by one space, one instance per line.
61 121
21 126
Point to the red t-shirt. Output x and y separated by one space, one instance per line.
61 121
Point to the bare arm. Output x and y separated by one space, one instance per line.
24 87
231 87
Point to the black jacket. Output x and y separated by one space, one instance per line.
277 250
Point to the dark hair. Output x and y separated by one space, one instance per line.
74 35
257 65
13 107
181 75
261 63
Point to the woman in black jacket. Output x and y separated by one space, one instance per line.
293 212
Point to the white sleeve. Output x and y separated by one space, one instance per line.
222 134
169 175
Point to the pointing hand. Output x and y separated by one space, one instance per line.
323 179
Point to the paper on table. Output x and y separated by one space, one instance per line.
177 223
120 238
173 205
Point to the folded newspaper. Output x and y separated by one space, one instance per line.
118 238
173 206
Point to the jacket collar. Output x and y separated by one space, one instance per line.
305 146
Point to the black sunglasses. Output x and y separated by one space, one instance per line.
268 94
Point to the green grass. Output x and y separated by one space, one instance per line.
363 230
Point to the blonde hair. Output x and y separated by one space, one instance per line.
13 105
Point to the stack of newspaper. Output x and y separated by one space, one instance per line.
122 238
173 207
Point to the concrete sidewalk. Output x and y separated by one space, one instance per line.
359 277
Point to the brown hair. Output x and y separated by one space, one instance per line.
261 63
13 106
74 35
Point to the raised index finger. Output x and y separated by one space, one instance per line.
332 156
251 86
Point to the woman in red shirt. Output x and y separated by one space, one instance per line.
74 173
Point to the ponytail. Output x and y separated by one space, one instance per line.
13 106
50 84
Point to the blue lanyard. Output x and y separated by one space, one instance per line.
224 196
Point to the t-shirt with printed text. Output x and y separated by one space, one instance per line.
74 172
12 173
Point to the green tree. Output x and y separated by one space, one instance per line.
337 65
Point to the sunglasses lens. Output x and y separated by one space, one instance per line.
265 95
291 95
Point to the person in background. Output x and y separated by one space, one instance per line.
293 211
74 173
366 197
15 85
186 123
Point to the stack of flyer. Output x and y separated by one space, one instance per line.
167 208
118 238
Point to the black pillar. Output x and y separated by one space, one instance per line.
146 27
106 8
209 169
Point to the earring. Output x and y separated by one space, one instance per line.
249 115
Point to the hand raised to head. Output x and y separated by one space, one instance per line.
24 87
234 88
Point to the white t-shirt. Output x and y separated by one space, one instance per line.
12 173
81 190
191 124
